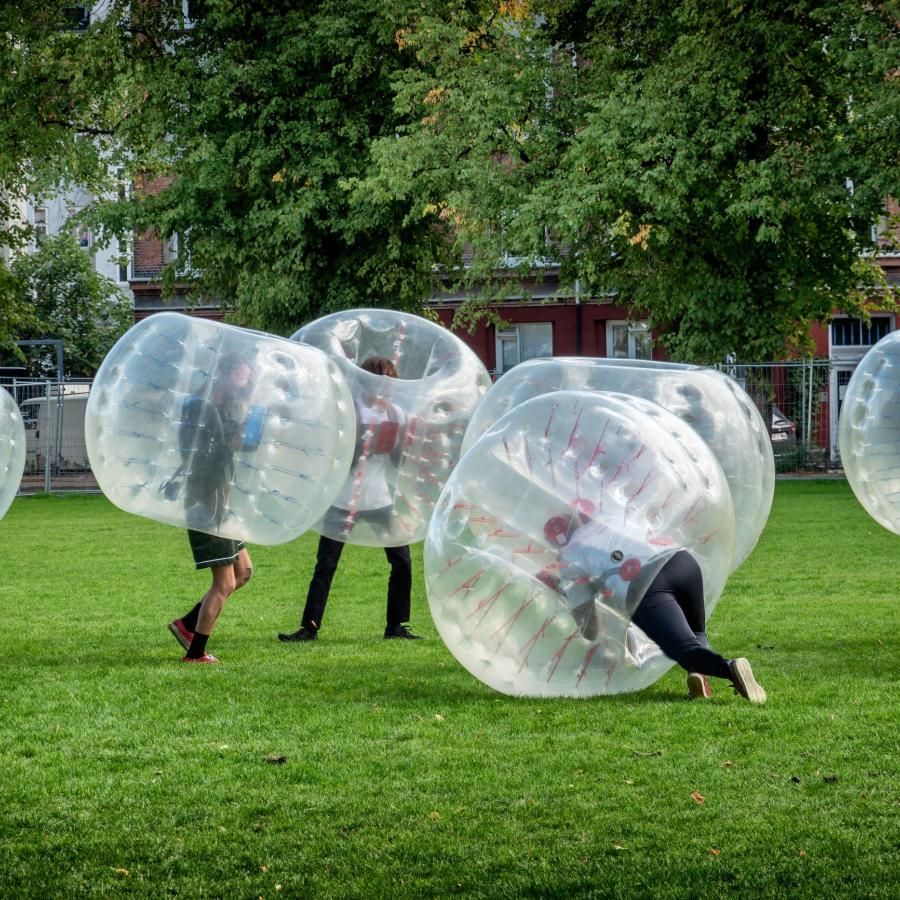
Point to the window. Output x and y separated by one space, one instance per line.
76 18
846 332
40 224
516 343
82 233
628 340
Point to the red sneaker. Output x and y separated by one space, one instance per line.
206 658
698 686
181 633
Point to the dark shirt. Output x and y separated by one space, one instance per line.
209 435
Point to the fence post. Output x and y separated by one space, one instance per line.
47 482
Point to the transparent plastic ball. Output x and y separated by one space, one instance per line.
219 429
713 404
869 432
12 450
552 527
410 427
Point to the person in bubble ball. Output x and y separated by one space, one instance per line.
365 497
212 429
671 613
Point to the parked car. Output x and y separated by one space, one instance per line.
783 431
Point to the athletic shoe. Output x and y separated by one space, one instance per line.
206 658
304 634
181 633
698 686
744 682
401 631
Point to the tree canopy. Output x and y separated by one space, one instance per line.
717 165
66 98
271 110
72 302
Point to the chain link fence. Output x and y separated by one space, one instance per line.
799 402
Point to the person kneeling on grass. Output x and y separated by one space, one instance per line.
671 612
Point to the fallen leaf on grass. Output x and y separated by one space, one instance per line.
619 847
802 852
123 872
276 759
434 815
698 798
830 779
727 764
641 754
263 868
715 851
628 781
439 717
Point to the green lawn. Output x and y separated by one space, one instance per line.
125 773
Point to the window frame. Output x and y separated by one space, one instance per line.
511 332
637 331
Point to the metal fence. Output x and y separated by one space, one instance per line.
799 402
55 452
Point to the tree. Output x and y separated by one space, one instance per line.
271 110
65 97
719 166
71 302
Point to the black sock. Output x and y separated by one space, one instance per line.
190 620
198 645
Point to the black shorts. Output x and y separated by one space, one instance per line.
210 550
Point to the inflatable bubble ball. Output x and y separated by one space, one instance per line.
713 404
215 428
415 386
12 450
552 527
869 432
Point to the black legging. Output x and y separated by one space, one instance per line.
672 615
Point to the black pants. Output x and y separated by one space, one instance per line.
398 592
672 615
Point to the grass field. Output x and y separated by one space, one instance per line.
358 767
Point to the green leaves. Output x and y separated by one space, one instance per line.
718 166
70 301
696 160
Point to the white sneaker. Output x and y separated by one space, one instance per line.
744 682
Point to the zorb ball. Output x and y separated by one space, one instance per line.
870 432
551 529
713 404
219 429
12 450
409 428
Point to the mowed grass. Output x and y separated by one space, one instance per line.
359 767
